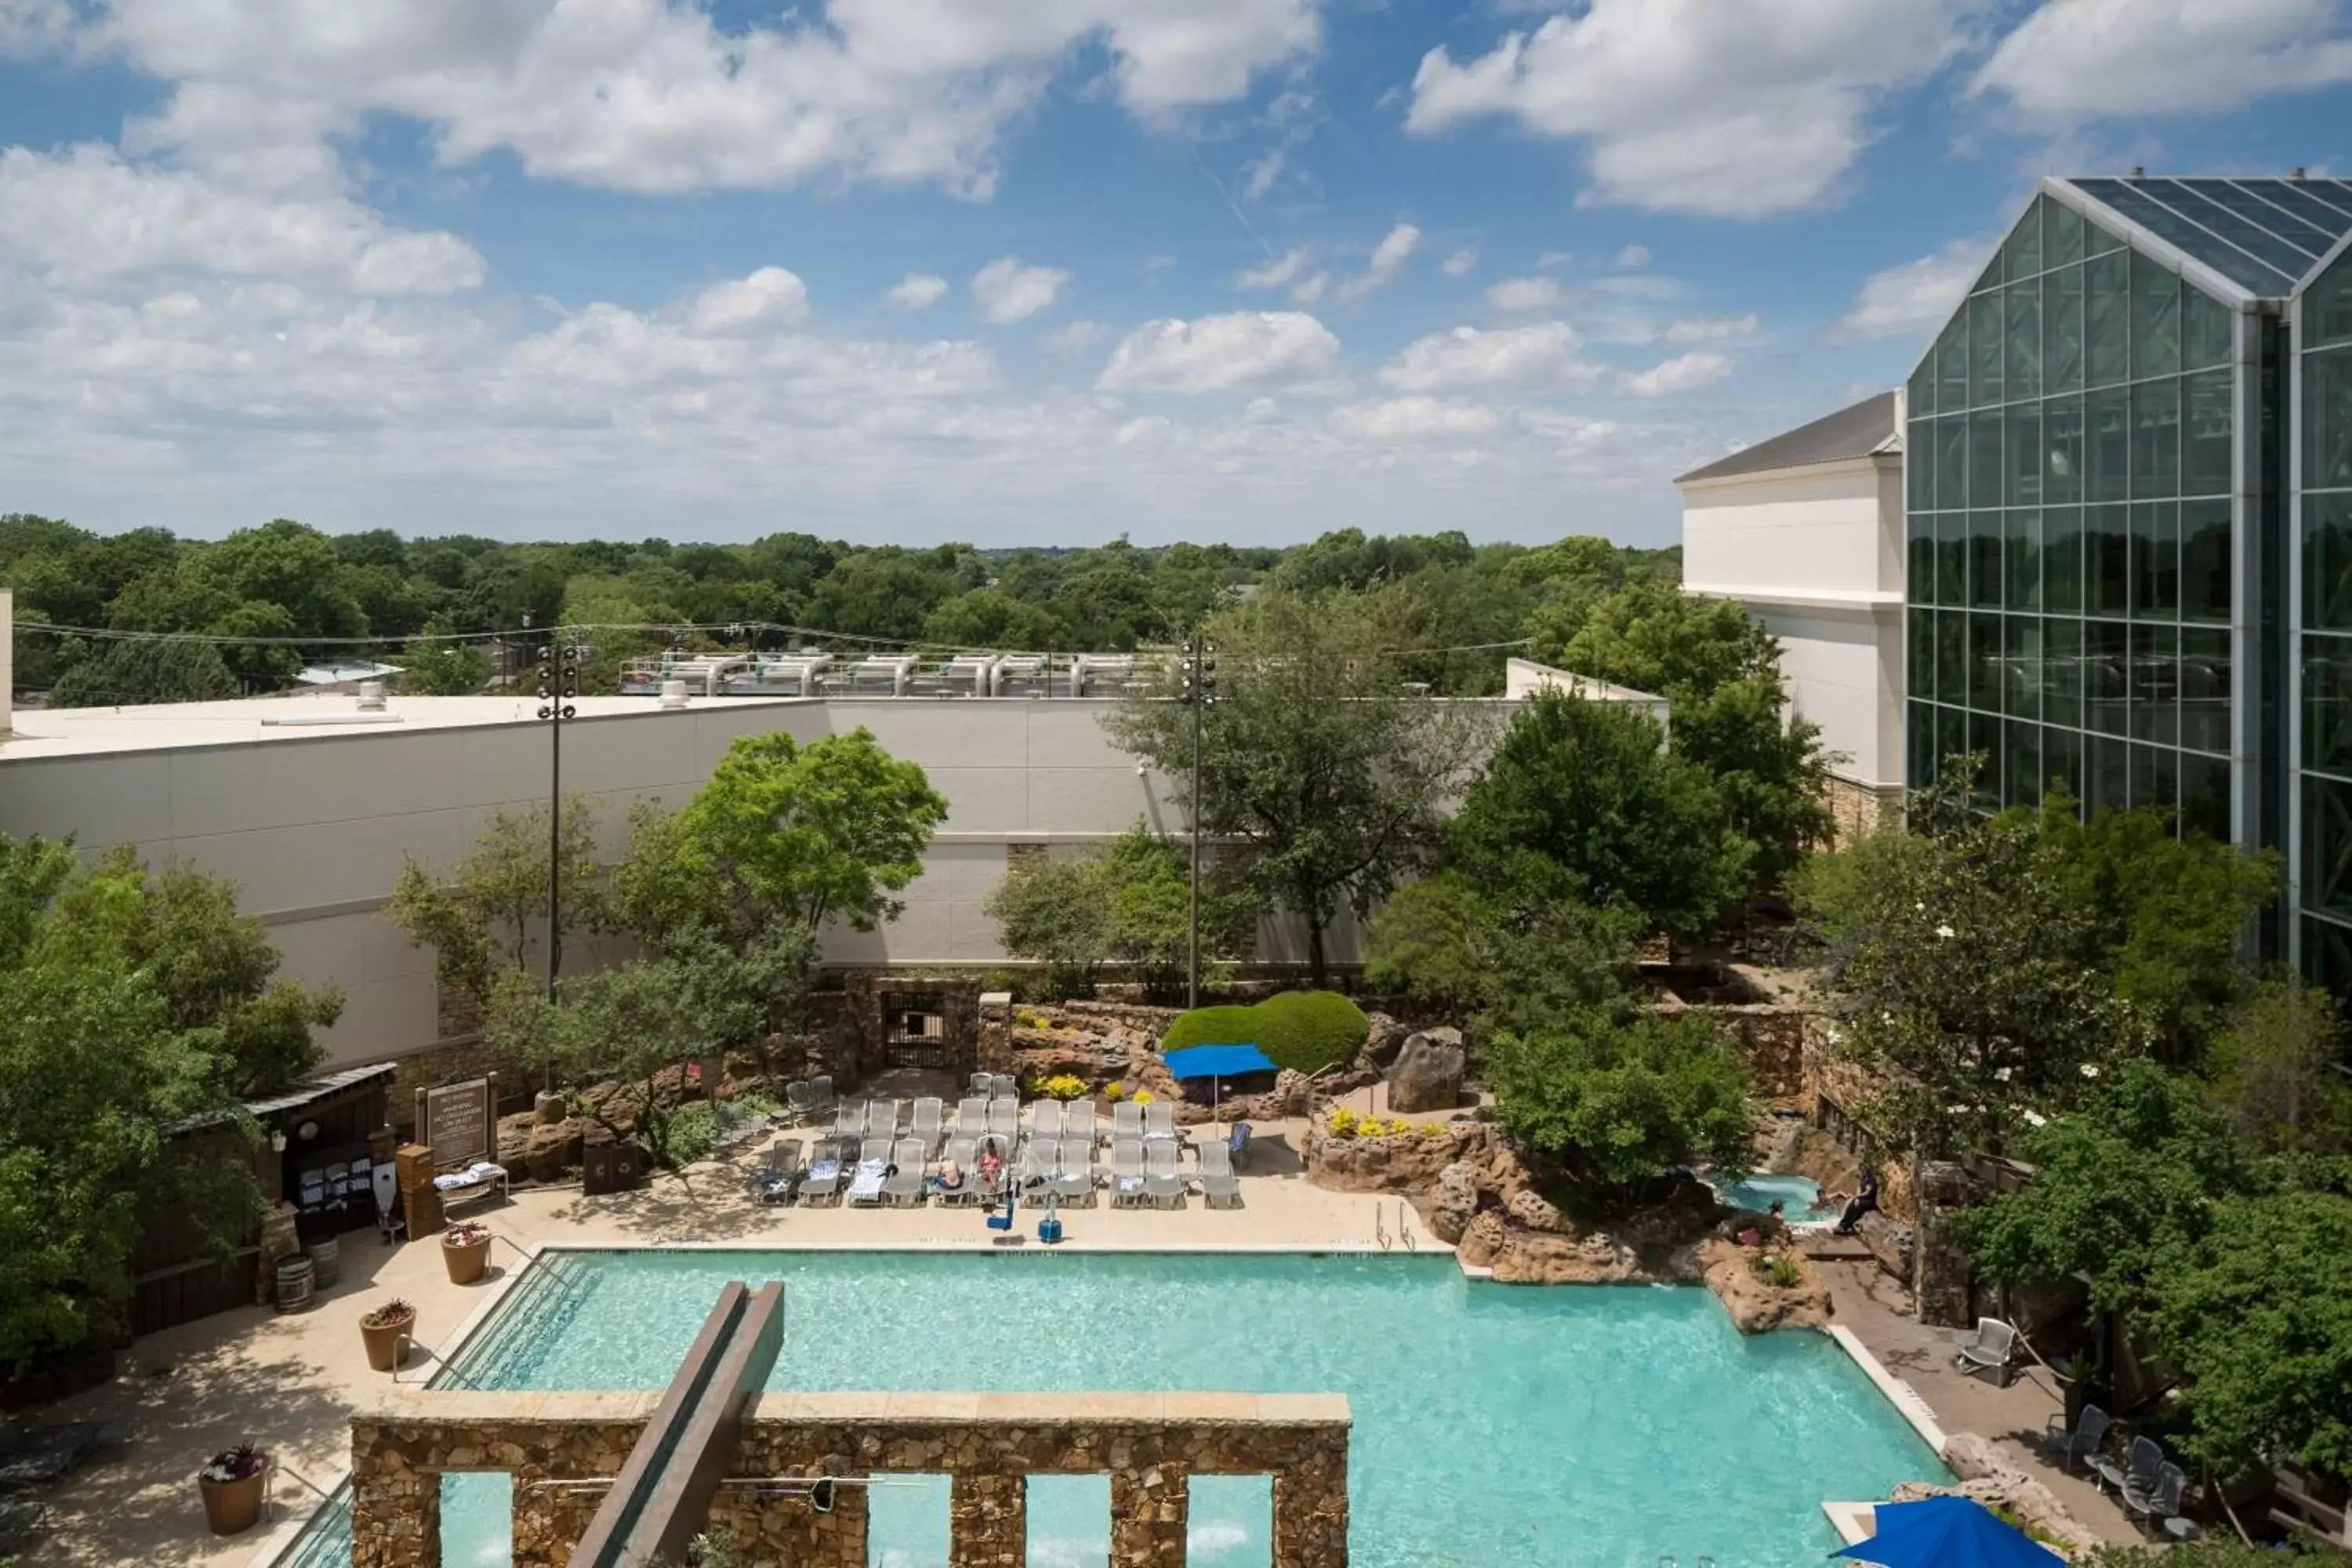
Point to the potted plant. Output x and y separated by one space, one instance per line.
466 1251
231 1483
387 1329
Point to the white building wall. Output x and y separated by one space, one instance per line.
1816 555
314 828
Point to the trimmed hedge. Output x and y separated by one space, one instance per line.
1304 1030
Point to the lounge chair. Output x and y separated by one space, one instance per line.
1160 1121
1007 1087
2139 1471
963 1150
1126 1121
927 1125
1220 1188
2151 1506
980 1085
849 1119
798 1099
820 1096
1046 1120
971 1115
873 1167
2090 1430
1005 1119
884 1118
985 1190
1163 1185
1073 1182
1078 1121
903 1188
821 1182
1126 1182
1992 1348
778 1173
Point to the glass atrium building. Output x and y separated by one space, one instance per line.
2128 461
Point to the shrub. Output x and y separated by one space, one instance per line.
1344 1121
1305 1031
1063 1086
1115 1093
1779 1272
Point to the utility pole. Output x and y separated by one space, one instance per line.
1200 681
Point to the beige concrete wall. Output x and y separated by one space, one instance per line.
314 828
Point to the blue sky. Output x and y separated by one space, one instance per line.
1031 271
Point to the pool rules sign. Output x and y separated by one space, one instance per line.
455 1122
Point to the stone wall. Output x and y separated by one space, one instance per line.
1149 1444
1858 808
1775 1038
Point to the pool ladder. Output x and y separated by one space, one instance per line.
1404 1229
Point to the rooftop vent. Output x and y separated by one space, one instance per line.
673 694
371 696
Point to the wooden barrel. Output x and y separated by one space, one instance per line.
296 1282
326 1261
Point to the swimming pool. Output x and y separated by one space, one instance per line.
1800 1197
1494 1424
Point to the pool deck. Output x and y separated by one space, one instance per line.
289 1382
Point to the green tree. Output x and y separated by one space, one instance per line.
2254 1312
1620 1093
1314 754
802 834
1653 637
1581 801
1956 956
660 894
985 618
481 916
1124 903
126 673
2275 1072
1496 963
1052 911
436 666
1768 768
213 969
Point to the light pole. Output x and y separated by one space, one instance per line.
559 686
1199 684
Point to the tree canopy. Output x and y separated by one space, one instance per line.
1124 903
1314 754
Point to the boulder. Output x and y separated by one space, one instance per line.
1382 1045
1532 1211
1987 1474
1454 1202
1483 1240
552 1149
1427 1073
1890 1241
1755 1303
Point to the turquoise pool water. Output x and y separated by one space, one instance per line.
1596 1426
1800 1197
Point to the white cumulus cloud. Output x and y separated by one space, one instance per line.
1732 107
1540 356
1459 264
1248 349
1518 294
1278 273
1389 257
1414 420
1914 298
2082 59
1009 289
1686 373
915 291
768 299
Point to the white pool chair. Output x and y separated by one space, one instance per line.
1163 1185
849 1119
1220 1188
1075 1180
1126 1121
873 1166
971 1115
1078 1121
821 1101
1004 1118
1046 1120
1992 1348
883 1119
903 1188
1126 1182
1160 1121
963 1150
927 1124
822 1185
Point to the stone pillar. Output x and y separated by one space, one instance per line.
395 1507
988 1522
994 1051
1148 1513
420 1200
1940 1274
1310 1511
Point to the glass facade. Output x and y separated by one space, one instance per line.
2324 657
2070 469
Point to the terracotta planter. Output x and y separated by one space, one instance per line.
387 1345
464 1259
232 1508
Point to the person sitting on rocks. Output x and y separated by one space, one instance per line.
1865 1201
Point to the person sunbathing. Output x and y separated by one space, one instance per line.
950 1177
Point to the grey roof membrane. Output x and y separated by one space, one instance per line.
1854 432
2265 234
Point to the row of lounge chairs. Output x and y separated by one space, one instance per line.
2149 1483
877 1170
1000 1116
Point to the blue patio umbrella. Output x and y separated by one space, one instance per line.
1948 1533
